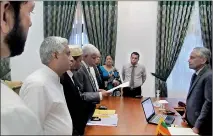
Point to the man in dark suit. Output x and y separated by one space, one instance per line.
72 95
87 81
199 100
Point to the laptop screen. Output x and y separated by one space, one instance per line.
148 108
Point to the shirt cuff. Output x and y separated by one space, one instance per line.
197 124
100 94
114 81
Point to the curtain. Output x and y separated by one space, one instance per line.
58 18
173 20
178 81
5 72
78 35
205 8
101 25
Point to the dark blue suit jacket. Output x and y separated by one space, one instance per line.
199 102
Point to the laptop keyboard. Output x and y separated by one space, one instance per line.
156 118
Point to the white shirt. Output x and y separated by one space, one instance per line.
43 93
70 75
16 117
199 70
92 71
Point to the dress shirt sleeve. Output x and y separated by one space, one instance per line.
101 97
37 100
19 121
123 73
143 74
207 106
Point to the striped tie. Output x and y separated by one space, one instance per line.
132 77
92 79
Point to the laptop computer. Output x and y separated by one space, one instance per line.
151 116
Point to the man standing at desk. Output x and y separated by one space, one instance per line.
135 73
199 100
88 85
72 94
42 91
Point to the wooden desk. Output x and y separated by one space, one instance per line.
131 119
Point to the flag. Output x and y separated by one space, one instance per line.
162 129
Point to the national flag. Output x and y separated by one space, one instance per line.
162 128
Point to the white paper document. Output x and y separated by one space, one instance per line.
163 101
181 131
112 120
126 84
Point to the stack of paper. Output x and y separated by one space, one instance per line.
103 113
163 101
181 131
108 118
111 120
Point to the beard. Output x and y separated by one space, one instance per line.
16 39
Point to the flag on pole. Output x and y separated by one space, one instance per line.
162 129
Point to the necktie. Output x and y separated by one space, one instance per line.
193 79
92 79
132 77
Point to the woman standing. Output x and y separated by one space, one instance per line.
110 76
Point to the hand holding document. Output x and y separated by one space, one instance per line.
120 86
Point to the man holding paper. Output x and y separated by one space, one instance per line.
86 80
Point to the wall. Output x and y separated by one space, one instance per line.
137 32
29 61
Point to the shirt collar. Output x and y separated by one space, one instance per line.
70 73
199 70
51 73
85 64
130 65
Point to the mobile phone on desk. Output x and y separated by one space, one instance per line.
95 119
138 96
102 107
168 112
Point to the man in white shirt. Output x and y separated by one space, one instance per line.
16 117
42 91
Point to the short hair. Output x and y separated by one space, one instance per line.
50 45
110 56
89 49
135 53
204 52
